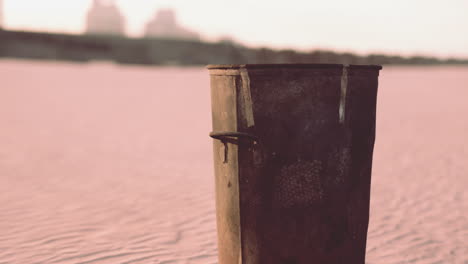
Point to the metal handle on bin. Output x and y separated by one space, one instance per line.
224 135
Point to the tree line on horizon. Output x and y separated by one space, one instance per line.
160 51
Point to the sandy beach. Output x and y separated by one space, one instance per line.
101 163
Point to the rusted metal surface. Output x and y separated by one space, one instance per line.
299 193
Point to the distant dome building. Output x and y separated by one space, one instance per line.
105 18
164 25
1 13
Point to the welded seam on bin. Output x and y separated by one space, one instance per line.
247 97
344 88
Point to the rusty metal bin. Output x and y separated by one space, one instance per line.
293 146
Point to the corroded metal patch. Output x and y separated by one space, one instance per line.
299 184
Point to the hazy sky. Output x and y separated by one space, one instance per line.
427 27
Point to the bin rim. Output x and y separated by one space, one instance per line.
289 66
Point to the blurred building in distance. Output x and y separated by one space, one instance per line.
228 39
104 17
1 13
164 25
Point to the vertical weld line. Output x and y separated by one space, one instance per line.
236 207
247 107
344 88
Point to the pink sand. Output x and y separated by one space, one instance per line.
102 163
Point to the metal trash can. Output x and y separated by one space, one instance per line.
293 146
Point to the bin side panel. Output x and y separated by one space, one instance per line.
361 119
224 116
304 187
